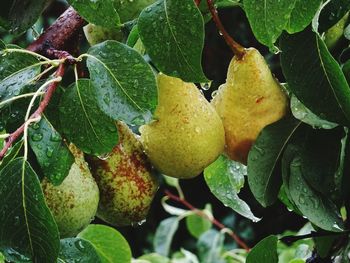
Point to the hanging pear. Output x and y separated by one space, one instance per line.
187 134
250 99
74 202
126 181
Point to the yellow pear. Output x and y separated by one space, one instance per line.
187 134
250 99
74 202
126 181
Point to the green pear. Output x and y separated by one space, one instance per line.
126 181
130 9
187 134
333 34
97 34
74 202
250 99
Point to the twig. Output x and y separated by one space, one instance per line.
212 220
57 36
42 106
197 2
237 49
291 239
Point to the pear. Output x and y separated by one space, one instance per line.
187 134
97 34
126 181
74 202
333 35
250 99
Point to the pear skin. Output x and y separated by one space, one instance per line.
250 99
74 202
187 134
97 34
126 181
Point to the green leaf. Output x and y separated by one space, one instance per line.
263 158
210 245
125 85
18 16
332 13
168 29
315 207
155 258
197 225
73 249
225 178
265 251
110 245
27 226
315 77
302 113
11 154
82 121
268 18
17 71
52 154
302 15
164 235
98 12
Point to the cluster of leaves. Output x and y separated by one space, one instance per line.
302 160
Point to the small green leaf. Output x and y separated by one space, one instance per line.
268 18
124 83
11 154
27 228
210 245
52 154
73 249
110 245
164 235
197 225
302 15
17 71
225 178
265 251
155 258
82 121
98 12
168 29
263 158
317 208
315 77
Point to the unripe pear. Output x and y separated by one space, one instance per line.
333 34
97 34
187 134
126 181
250 99
74 202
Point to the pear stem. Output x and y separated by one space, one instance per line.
214 221
237 48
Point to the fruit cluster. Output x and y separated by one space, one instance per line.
187 134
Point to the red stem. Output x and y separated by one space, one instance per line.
237 49
197 2
42 106
204 215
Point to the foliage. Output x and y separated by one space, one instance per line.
301 160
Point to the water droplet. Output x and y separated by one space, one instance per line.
49 152
37 137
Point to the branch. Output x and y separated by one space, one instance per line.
57 36
205 216
42 106
291 239
237 49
